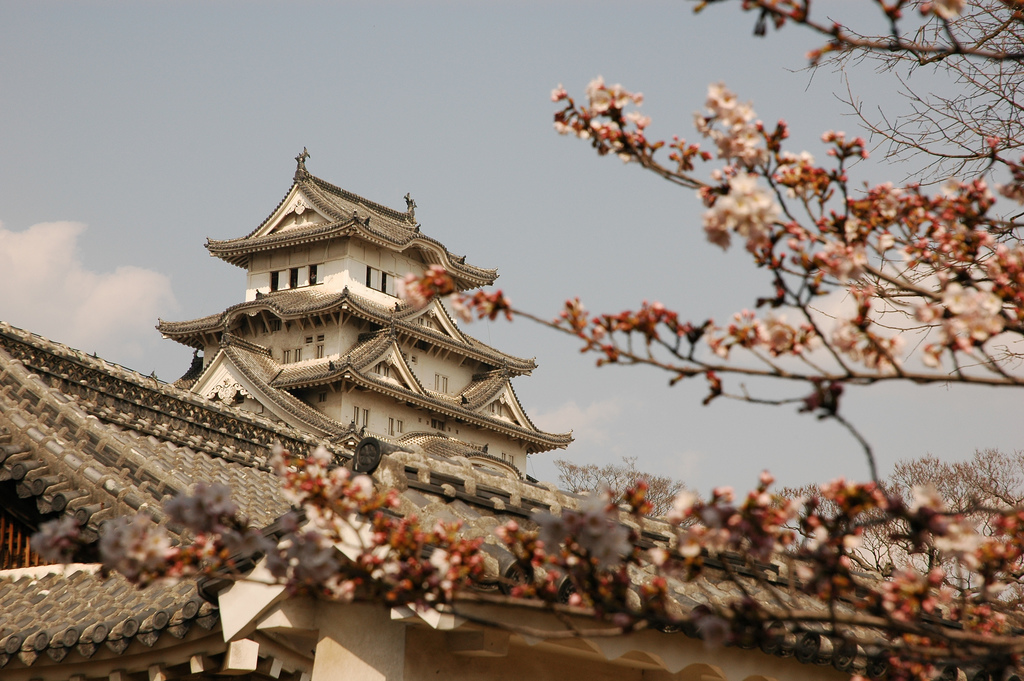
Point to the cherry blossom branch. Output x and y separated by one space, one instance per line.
841 38
907 620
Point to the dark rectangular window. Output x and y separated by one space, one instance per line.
275 324
322 397
320 351
286 356
309 339
298 354
356 413
369 277
384 282
293 278
312 275
274 280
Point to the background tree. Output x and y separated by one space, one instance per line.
972 489
943 134
619 477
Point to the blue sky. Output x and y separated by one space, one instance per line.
131 132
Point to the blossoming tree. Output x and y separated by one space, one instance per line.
943 268
934 277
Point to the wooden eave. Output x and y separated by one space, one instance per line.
237 251
207 330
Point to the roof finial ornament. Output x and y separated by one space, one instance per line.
410 206
300 160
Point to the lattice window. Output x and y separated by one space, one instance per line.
14 547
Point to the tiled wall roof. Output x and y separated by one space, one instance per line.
71 461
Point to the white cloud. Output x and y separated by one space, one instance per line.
48 290
590 425
685 465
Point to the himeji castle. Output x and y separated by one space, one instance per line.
323 343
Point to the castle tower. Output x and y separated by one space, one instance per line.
323 344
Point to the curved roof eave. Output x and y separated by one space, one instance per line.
348 371
186 332
237 251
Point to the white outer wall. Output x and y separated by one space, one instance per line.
342 262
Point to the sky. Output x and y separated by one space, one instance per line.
131 132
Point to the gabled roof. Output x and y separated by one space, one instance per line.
483 388
252 366
305 302
369 350
264 376
344 214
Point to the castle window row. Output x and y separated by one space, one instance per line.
295 278
395 426
380 280
356 413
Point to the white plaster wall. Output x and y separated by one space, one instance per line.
381 408
428 657
262 264
342 262
426 366
358 642
258 281
337 275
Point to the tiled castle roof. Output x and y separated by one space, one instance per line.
84 613
274 380
103 461
82 437
303 302
128 399
351 215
